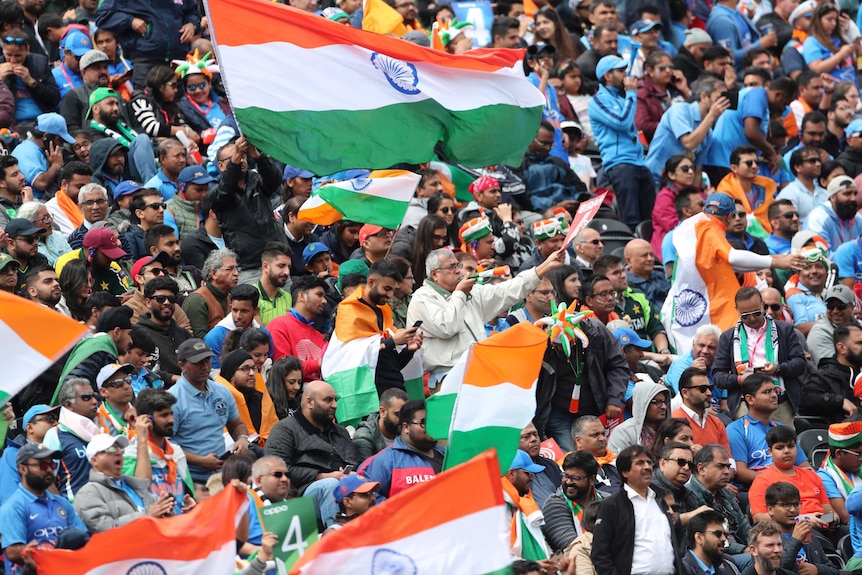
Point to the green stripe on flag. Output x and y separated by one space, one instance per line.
415 388
461 180
464 445
366 208
438 414
322 141
357 384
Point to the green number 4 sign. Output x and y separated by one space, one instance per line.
295 523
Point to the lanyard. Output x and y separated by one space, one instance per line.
201 110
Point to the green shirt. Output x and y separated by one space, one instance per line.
272 308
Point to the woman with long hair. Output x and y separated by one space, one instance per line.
342 238
444 206
551 30
678 174
155 109
658 88
825 50
673 429
284 384
76 285
432 234
566 282
51 245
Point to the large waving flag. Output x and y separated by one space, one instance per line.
33 337
327 97
380 199
201 542
498 395
454 523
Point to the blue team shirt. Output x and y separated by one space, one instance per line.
777 245
729 131
66 79
31 160
680 119
747 438
805 306
26 517
26 108
199 420
813 50
848 258
160 181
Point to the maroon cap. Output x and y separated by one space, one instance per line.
105 241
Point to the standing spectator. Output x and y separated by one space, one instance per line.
183 212
172 161
115 409
35 424
612 112
658 88
13 192
840 470
564 509
155 109
207 238
293 334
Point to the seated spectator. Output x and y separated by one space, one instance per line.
111 499
674 471
781 441
36 467
90 355
522 514
840 470
115 410
160 296
164 463
354 496
207 305
200 105
140 351
487 202
414 457
207 238
67 75
642 275
162 238
293 334
35 423
284 384
785 222
658 88
269 484
545 482
588 247
549 178
315 449
805 298
650 407
706 539
155 109
805 191
94 207
548 235
40 156
51 245
101 248
172 161
836 220
183 211
827 394
589 434
380 429
145 269
702 356
243 310
28 78
564 509
238 374
202 411
12 189
696 391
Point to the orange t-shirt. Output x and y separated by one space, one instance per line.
812 494
713 432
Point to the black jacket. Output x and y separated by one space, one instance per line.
308 450
606 371
614 535
851 161
167 340
827 387
45 93
162 40
684 62
90 367
196 247
245 214
791 365
690 566
790 549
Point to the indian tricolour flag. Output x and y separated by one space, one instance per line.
454 523
380 199
327 97
201 542
441 405
498 395
33 337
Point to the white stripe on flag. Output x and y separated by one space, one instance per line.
513 406
219 562
28 363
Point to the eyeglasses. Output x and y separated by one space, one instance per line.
682 461
812 161
45 219
451 268
594 242
165 298
230 269
833 305
686 168
46 418
749 163
658 401
113 450
91 203
446 209
542 144
28 239
196 87
420 423
851 452
248 368
118 383
278 474
774 306
605 294
568 477
43 464
156 206
88 397
700 388
749 314
156 272
171 84
789 504
18 41
440 238
717 532
790 215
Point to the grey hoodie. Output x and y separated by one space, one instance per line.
629 432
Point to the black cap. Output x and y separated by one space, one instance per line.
194 350
116 317
36 451
22 227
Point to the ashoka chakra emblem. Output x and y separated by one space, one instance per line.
401 75
359 184
690 307
147 568
388 562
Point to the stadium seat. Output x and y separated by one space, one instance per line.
815 444
644 230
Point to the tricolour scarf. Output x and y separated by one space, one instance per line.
740 346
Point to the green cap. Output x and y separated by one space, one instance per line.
100 94
6 260
351 267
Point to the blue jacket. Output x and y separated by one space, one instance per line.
164 19
724 28
613 121
824 221
398 467
10 479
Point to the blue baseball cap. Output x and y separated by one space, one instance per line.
351 484
642 26
627 336
719 204
608 63
853 129
194 175
125 188
291 172
523 461
53 123
312 250
77 42
38 409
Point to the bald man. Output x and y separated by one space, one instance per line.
642 273
773 303
318 452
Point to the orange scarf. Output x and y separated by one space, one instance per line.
166 454
608 457
70 208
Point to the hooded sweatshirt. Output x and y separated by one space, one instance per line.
167 339
629 432
99 153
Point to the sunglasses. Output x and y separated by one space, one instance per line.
700 388
88 397
196 87
45 418
28 239
717 532
165 298
43 464
568 477
790 215
18 41
279 474
118 383
156 206
682 461
594 242
113 450
773 306
833 305
447 210
749 163
155 271
744 316
685 169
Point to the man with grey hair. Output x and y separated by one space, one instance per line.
454 310
588 248
94 206
207 305
686 128
702 355
270 483
589 434
79 405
